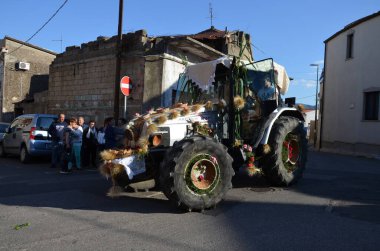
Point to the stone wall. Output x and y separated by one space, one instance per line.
82 79
39 104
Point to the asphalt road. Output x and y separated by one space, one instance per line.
336 206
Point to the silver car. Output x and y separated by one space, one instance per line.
28 136
3 128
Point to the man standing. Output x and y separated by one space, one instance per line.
83 126
56 131
81 123
89 144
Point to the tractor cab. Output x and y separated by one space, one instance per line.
243 91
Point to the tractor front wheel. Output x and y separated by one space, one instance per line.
196 173
285 163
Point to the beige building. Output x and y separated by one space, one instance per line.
350 107
24 71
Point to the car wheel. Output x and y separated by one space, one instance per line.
2 151
24 155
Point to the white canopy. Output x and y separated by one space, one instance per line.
203 74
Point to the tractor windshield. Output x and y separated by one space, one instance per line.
189 92
208 81
260 78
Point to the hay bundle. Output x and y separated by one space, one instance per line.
196 107
239 103
208 106
185 111
173 114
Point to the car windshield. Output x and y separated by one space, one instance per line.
43 123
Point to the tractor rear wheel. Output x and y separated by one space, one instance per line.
196 173
285 163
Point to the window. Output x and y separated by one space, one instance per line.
350 46
44 123
371 105
14 124
3 128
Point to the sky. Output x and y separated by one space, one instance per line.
291 32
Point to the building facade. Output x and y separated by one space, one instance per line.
350 108
24 71
82 78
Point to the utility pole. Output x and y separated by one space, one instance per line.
118 64
316 107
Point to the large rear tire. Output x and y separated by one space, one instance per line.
285 163
196 173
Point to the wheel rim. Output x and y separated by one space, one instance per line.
291 152
202 174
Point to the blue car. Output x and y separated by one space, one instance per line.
28 136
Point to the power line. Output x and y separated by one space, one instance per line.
55 13
258 49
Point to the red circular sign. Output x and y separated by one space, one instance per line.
125 85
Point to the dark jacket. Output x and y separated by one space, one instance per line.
56 130
89 141
110 137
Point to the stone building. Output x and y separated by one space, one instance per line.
24 71
82 78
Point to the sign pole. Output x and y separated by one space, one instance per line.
125 106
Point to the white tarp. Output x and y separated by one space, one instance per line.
133 165
203 74
281 78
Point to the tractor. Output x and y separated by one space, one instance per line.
227 116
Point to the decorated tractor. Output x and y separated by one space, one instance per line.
228 116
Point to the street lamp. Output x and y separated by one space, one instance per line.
316 106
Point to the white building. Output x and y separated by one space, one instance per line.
350 108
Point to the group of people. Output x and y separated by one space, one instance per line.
75 145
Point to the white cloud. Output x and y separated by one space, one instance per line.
304 82
319 62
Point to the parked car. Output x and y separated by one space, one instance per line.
28 136
3 128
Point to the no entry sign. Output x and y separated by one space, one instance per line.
125 85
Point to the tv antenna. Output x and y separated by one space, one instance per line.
59 40
211 14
